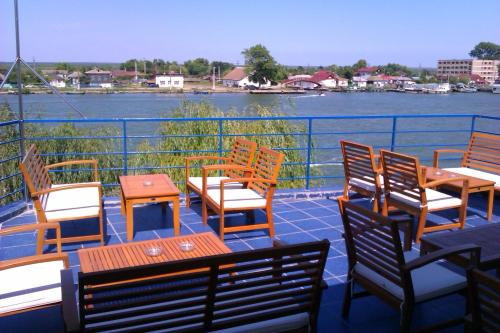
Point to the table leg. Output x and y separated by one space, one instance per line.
491 195
177 223
130 220
122 202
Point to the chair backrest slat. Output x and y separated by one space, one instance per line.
402 175
267 165
359 162
373 240
483 152
34 172
242 154
484 297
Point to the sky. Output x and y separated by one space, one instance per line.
308 32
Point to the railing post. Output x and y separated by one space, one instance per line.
221 141
309 142
125 154
393 138
473 124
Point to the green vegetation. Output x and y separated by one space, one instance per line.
197 67
260 65
486 50
165 155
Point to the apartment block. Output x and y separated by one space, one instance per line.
487 69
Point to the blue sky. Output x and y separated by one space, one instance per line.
311 32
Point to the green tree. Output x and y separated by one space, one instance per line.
64 66
486 50
224 66
129 65
260 65
197 67
359 64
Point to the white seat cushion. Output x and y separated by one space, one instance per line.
238 198
72 203
429 281
478 174
31 285
366 183
435 200
212 183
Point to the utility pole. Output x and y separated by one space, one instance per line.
19 83
213 78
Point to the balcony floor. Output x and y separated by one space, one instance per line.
296 220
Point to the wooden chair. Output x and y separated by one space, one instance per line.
406 189
242 154
32 282
361 173
481 159
257 192
402 279
484 302
62 202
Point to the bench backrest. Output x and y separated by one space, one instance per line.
205 294
242 154
483 152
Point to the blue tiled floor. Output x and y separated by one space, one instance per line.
295 221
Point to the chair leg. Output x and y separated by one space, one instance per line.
462 214
385 208
346 191
346 305
491 197
376 201
221 225
101 227
422 218
188 198
270 222
405 322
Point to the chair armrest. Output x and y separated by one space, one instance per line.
75 162
439 151
445 253
213 158
69 306
11 263
40 227
246 180
65 187
207 168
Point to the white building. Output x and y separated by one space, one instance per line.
238 78
170 80
360 81
57 81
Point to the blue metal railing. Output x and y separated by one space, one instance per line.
416 134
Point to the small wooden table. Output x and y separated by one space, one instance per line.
147 189
104 258
475 184
485 236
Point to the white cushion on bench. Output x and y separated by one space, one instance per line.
238 198
478 174
30 286
435 200
72 203
212 182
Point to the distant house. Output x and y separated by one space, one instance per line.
300 82
99 78
238 78
342 82
2 77
170 80
360 81
57 81
325 78
124 75
75 78
378 81
367 71
50 72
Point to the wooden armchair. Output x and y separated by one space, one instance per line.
481 159
406 189
62 202
32 282
361 173
257 193
484 302
402 279
242 154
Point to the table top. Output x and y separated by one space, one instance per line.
486 236
436 174
134 254
146 186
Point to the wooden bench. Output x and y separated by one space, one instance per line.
481 159
267 290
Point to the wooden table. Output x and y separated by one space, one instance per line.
485 236
475 184
103 258
147 189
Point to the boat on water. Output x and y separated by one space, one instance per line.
436 88
495 87
75 92
460 87
411 87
